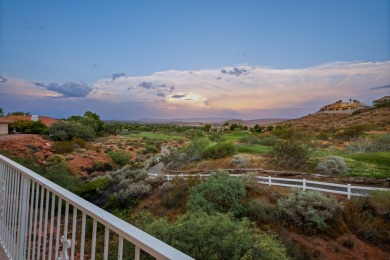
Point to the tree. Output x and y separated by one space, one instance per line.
29 127
291 153
217 236
1 112
19 113
207 127
220 193
63 131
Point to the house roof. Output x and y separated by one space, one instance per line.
48 121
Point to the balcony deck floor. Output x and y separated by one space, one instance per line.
2 253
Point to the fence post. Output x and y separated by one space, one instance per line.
269 180
349 191
23 216
304 184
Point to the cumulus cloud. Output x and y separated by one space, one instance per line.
69 89
242 91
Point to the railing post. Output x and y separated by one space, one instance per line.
25 192
269 180
304 184
349 191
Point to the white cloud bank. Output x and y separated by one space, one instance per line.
240 91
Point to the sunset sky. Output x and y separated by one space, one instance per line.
190 59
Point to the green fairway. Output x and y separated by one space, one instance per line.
156 136
234 136
253 149
379 158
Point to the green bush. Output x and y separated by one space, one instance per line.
310 210
269 140
332 165
63 131
291 153
249 139
381 144
29 127
120 157
220 150
217 236
261 211
220 193
381 201
174 194
151 148
217 137
62 147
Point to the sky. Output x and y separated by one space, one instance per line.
128 60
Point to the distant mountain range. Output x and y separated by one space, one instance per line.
213 121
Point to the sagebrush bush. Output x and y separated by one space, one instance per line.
310 210
239 161
360 144
332 165
249 139
380 144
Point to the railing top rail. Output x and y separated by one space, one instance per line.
146 242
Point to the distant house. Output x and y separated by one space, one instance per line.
381 100
4 126
343 106
47 121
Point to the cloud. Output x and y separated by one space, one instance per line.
117 75
69 89
257 92
381 87
3 80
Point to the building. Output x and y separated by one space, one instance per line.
4 126
381 100
352 105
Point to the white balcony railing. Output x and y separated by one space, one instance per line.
41 220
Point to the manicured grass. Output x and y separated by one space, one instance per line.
156 136
379 158
234 136
253 149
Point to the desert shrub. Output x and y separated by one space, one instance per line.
98 166
219 193
310 210
156 181
151 148
217 137
332 165
269 140
291 153
249 139
90 189
350 132
251 182
361 217
220 150
63 131
217 236
120 157
79 143
380 144
261 211
62 147
381 202
239 161
57 171
284 131
360 144
174 194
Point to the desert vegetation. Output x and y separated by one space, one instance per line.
225 217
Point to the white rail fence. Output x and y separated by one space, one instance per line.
41 220
345 189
